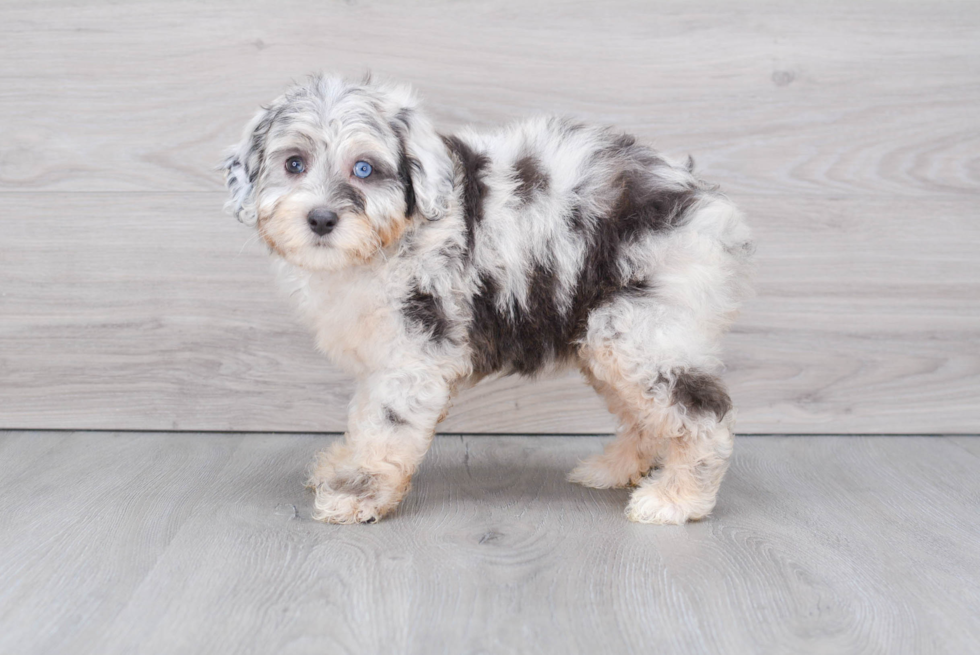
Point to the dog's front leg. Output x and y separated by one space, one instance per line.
392 419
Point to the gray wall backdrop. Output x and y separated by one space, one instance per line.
849 132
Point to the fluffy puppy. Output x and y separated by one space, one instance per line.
424 263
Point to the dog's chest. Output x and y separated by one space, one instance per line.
352 321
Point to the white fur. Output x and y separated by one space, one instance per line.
651 350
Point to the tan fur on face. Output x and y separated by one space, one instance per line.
355 240
391 231
382 236
328 136
276 225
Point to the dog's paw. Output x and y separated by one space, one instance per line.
355 496
349 490
603 472
653 502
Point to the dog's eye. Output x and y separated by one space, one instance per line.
295 165
362 169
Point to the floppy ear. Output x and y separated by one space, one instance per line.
426 163
242 167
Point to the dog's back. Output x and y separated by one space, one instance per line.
563 218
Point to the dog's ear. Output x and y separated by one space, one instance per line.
425 165
242 165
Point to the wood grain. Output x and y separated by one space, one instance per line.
174 542
172 324
847 131
773 98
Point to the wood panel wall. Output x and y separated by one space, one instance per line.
849 133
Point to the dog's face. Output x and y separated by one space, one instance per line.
333 172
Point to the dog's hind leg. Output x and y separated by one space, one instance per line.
654 368
695 440
626 458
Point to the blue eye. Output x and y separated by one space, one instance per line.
362 169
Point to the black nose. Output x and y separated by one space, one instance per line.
322 221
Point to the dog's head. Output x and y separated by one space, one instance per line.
334 171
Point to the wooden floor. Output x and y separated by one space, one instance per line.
202 543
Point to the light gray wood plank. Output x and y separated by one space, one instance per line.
83 519
970 444
172 324
172 542
773 98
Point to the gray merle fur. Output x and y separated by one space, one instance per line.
525 340
474 188
700 394
531 178
426 311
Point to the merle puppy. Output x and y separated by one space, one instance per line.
425 262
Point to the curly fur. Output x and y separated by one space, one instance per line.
541 245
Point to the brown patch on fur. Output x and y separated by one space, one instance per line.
393 417
346 194
472 165
531 178
700 393
356 484
427 313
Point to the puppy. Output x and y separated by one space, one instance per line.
425 262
